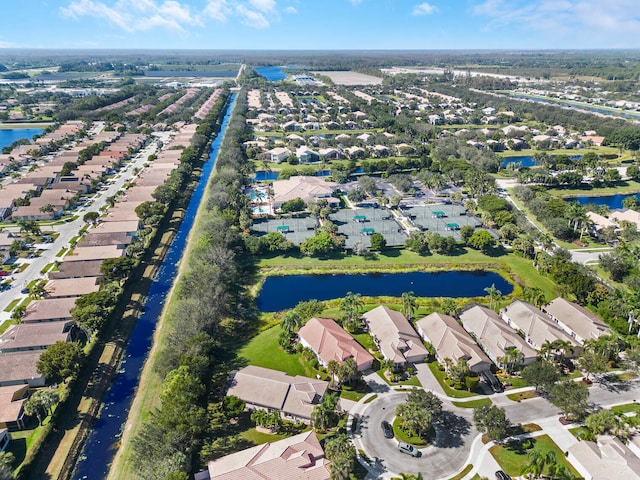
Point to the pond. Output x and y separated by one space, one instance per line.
273 74
7 137
282 292
529 161
612 201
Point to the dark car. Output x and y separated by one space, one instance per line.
3 273
386 428
500 475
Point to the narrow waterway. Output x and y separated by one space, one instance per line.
102 442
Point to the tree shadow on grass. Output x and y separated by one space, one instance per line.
520 447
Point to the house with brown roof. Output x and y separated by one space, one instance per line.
451 341
329 341
495 336
536 327
34 336
71 287
295 458
262 388
394 336
576 320
53 310
90 268
19 368
84 254
35 213
12 398
119 239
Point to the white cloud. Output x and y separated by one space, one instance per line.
290 10
424 9
251 18
135 15
578 22
263 5
218 10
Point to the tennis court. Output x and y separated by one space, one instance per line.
358 226
446 220
297 230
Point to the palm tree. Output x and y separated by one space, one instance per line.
37 290
564 347
513 358
449 306
409 304
546 348
534 295
494 294
350 306
291 322
18 313
332 369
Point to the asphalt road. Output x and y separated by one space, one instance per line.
448 454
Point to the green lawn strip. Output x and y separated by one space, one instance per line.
627 186
264 351
355 393
512 456
530 152
371 398
411 381
463 473
483 402
47 267
6 324
440 376
12 304
626 408
61 252
514 382
25 302
579 432
403 437
516 397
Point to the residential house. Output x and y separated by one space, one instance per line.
306 187
34 336
394 335
19 368
536 327
262 388
495 337
299 457
90 268
278 154
12 398
306 155
329 341
451 341
71 287
85 254
604 459
54 310
626 215
330 153
576 320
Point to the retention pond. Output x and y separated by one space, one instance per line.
283 292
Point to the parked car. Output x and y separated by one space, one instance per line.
3 273
409 449
387 429
500 475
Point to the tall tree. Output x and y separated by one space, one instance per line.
351 306
409 304
493 293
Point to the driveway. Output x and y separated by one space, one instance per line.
454 437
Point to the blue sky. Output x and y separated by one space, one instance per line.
321 24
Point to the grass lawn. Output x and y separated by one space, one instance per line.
403 437
483 402
371 398
463 473
433 366
12 304
264 351
356 392
626 408
411 381
512 456
516 397
628 186
578 431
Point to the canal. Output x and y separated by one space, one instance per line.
282 292
102 442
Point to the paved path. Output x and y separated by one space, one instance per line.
588 255
458 444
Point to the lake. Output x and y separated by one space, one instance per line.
612 201
273 74
526 161
283 292
7 137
